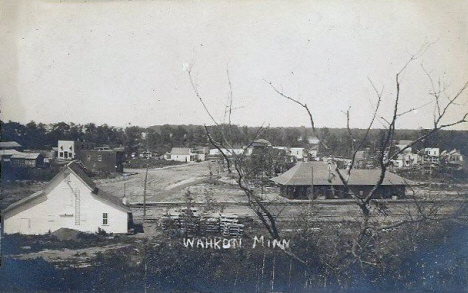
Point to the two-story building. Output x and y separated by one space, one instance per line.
71 149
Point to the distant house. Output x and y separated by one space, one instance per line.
258 145
70 200
261 143
405 160
401 144
313 146
146 154
360 160
453 159
15 158
30 160
431 155
227 152
9 145
318 179
6 154
312 153
71 150
299 153
104 160
181 155
200 155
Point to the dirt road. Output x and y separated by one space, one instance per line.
164 184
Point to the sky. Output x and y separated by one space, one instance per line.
125 62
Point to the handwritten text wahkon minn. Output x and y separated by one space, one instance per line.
234 243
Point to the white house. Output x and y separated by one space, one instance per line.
453 159
297 152
227 152
70 200
431 155
405 160
181 155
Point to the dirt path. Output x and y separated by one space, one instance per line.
163 183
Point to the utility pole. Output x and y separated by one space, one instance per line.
144 194
312 181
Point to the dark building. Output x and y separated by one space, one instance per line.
319 180
28 160
11 156
103 160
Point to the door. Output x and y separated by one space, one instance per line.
25 226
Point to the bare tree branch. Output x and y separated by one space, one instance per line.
309 113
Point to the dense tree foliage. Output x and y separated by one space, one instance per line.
162 138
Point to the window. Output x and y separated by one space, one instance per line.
105 219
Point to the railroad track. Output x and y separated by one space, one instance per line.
326 202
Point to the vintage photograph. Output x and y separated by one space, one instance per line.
234 146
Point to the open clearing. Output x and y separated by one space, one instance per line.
164 184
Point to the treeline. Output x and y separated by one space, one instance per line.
162 138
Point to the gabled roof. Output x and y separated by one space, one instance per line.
9 152
79 171
261 142
9 144
319 173
180 151
27 156
454 152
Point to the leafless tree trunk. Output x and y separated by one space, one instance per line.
366 233
385 156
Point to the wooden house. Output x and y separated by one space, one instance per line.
70 200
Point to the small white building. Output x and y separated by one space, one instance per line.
227 152
431 155
297 152
453 159
406 160
70 200
181 155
